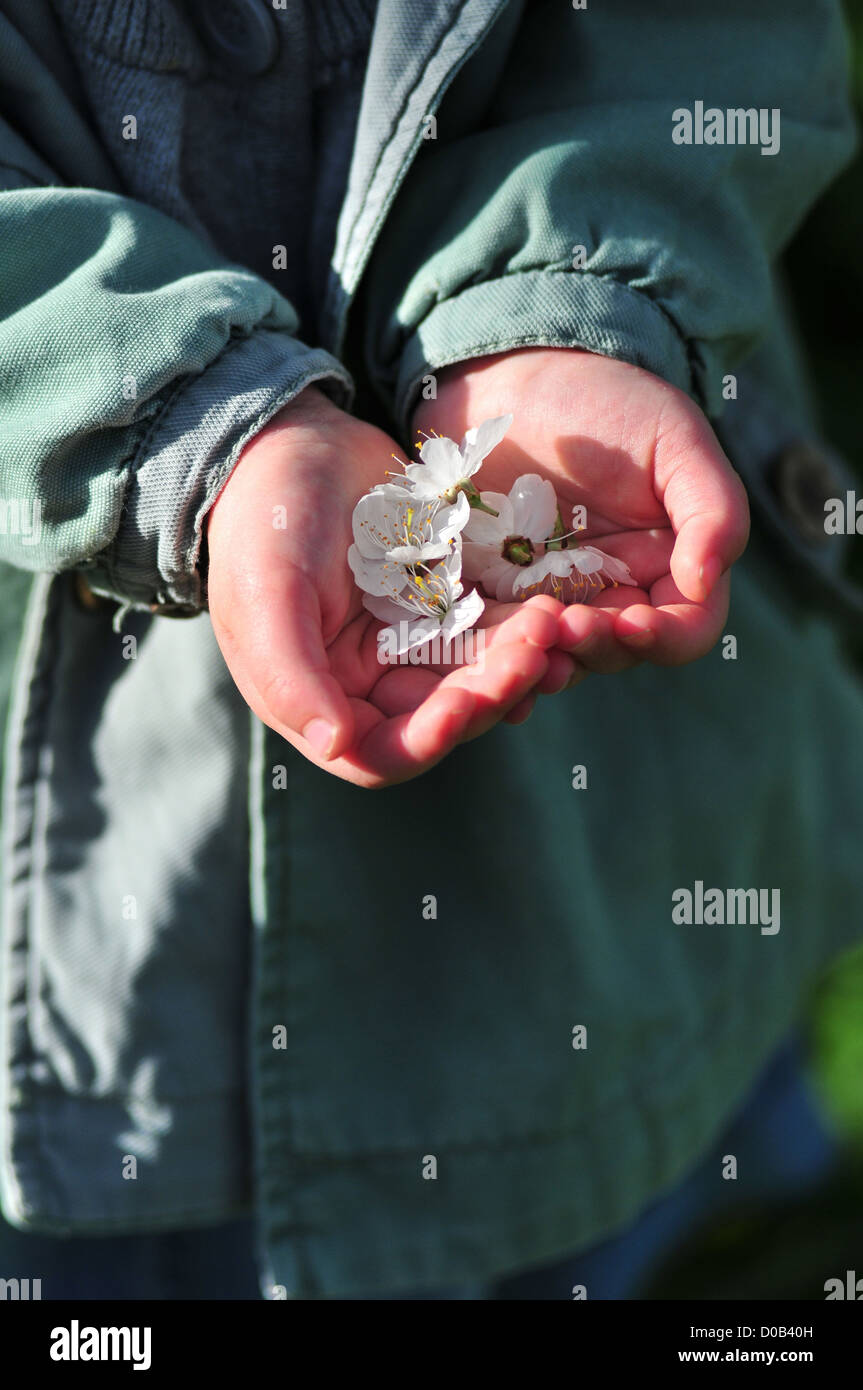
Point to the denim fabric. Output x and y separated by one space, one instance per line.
126 965
452 1038
779 1136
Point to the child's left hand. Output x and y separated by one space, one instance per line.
641 457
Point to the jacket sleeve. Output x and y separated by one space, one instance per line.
135 362
568 215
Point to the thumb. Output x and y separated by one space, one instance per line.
708 508
274 647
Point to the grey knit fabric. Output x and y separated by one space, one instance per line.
252 163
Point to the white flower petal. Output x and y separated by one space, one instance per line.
384 609
396 487
581 560
463 615
503 582
416 554
484 563
450 520
498 578
441 468
534 507
477 558
587 559
616 570
367 515
418 631
490 530
407 632
479 441
451 568
373 576
556 562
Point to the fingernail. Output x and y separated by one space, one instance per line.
638 636
320 735
709 573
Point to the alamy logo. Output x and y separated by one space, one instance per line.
737 125
402 646
718 906
849 1287
21 1290
21 518
843 516
77 1343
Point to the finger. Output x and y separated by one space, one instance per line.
579 674
285 661
706 503
496 612
508 673
647 553
403 689
520 711
533 622
670 630
397 749
561 669
462 706
588 632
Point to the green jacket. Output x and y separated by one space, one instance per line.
232 980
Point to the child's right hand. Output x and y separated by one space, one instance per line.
296 638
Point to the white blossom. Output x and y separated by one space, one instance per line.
497 548
433 595
394 529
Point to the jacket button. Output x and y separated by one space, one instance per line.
242 33
804 478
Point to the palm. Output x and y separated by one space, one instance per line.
328 483
641 460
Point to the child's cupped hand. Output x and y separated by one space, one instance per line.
296 638
642 460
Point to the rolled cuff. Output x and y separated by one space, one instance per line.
547 308
187 456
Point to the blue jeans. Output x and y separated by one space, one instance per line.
779 1140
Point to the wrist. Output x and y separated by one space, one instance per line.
311 406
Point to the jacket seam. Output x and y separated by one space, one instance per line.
396 121
338 310
207 1214
125 1098
51 632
